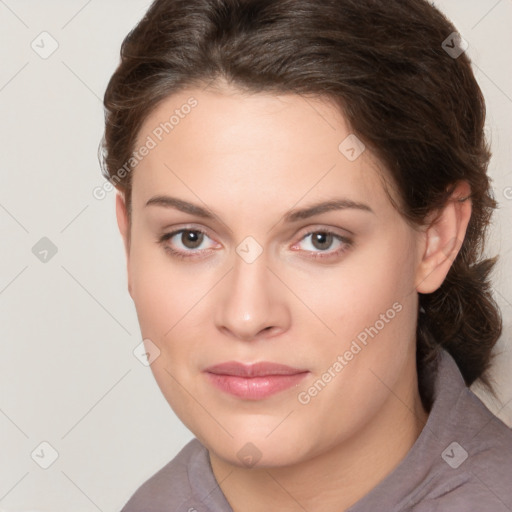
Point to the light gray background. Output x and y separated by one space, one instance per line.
68 326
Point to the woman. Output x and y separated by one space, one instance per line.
303 200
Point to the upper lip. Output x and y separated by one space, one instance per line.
260 369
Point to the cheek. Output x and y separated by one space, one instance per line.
159 293
170 299
369 307
351 296
166 300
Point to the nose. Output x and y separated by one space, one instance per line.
251 304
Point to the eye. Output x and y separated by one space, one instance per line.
322 240
185 243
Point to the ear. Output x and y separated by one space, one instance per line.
443 239
124 229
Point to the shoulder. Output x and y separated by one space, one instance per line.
482 482
170 486
484 454
461 461
486 440
472 471
460 416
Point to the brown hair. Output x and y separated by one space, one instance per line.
384 65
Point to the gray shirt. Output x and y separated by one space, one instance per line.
461 462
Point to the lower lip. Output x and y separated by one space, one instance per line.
254 388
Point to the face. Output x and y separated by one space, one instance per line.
229 262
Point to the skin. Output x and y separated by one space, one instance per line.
250 159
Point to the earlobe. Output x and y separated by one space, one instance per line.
124 227
443 239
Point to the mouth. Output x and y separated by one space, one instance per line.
253 381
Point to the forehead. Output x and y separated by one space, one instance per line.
240 146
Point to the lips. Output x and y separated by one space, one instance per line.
253 381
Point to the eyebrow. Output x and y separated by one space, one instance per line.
289 217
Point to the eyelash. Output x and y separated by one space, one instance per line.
347 243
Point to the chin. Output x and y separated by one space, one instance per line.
257 450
